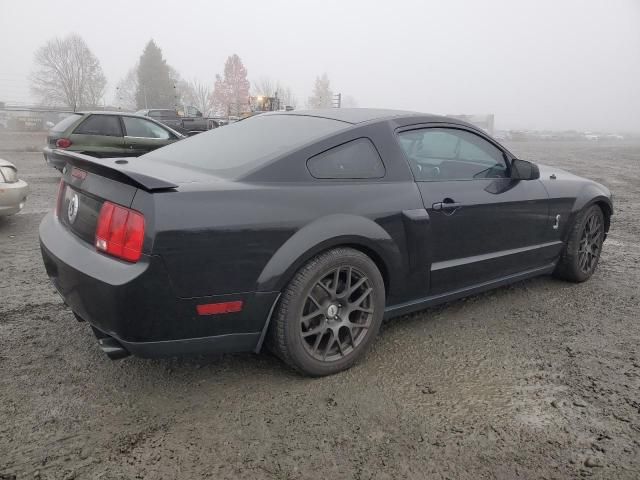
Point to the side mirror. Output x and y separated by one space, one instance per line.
523 170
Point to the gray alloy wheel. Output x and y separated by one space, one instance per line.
581 254
337 313
590 243
329 313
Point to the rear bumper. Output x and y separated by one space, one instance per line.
12 197
53 159
134 304
116 348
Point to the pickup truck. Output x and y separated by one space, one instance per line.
190 123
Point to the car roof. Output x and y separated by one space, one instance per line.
111 112
360 115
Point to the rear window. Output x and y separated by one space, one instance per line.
234 150
163 114
62 125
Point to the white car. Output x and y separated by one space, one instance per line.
13 192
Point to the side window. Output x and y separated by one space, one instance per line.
139 127
108 125
357 159
155 113
443 154
193 112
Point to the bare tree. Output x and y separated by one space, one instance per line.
68 73
265 86
196 94
126 90
176 80
287 97
270 88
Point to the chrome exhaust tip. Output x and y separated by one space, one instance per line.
112 348
109 345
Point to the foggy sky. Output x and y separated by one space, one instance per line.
557 64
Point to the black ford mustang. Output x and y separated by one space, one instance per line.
302 230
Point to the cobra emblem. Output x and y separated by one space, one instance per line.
72 210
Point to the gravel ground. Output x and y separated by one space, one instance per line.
537 380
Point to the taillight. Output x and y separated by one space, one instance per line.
56 210
120 232
63 143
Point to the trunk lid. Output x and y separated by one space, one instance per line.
88 182
82 194
142 172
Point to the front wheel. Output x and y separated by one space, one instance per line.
582 252
329 314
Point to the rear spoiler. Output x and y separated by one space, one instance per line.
119 169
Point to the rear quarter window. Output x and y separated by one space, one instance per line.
357 159
65 123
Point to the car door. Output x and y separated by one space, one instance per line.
168 118
99 135
484 225
193 121
142 135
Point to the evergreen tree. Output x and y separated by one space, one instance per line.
156 87
322 96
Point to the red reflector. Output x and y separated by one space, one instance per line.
216 308
77 173
56 210
120 232
63 143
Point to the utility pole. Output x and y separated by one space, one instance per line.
336 101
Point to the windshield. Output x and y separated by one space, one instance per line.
234 150
62 125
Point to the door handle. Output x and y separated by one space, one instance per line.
446 205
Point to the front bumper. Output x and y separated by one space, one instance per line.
134 304
12 197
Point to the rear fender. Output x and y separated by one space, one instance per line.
326 233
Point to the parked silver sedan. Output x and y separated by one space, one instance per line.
13 192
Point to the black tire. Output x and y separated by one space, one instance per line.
344 309
581 254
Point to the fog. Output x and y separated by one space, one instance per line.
535 64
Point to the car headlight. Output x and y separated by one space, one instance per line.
8 174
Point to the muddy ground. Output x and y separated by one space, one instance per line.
537 380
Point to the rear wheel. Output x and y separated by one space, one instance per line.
582 252
329 313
